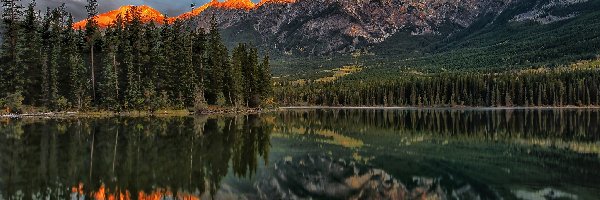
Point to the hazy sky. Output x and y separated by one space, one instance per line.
77 7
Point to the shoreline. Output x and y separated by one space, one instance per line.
441 108
159 113
246 111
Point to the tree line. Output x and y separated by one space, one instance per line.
555 87
130 65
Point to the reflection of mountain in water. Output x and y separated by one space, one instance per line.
326 178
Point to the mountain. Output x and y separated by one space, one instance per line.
426 33
263 2
308 27
150 14
105 19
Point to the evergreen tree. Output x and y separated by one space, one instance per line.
91 35
54 53
249 76
217 57
264 77
11 56
46 47
199 62
132 59
183 67
152 61
77 71
109 87
232 87
32 56
163 58
142 66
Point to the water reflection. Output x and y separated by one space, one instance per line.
306 154
329 178
574 129
128 158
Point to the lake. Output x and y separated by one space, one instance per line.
307 154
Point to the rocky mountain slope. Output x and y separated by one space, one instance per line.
329 26
324 27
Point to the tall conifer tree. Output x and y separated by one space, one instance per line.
32 55
91 35
11 55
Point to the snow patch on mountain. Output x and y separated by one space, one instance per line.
542 12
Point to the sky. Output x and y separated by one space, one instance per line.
77 7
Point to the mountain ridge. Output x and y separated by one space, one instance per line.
150 14
400 29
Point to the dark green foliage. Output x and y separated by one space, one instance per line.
264 79
109 86
216 64
233 76
32 55
92 33
12 66
132 59
559 87
127 66
54 52
75 67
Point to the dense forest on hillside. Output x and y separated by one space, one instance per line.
565 86
131 65
497 61
493 43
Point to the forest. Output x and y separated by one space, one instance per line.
556 87
48 64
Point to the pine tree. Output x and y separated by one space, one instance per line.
12 66
249 74
91 35
46 46
199 60
32 55
109 86
77 72
232 87
133 59
264 76
152 61
54 53
217 55
184 69
164 54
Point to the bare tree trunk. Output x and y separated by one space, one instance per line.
117 78
93 71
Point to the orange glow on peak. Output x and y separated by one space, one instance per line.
149 14
104 20
236 4
275 2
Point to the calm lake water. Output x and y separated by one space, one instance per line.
303 154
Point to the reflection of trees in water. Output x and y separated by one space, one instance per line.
128 156
565 124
